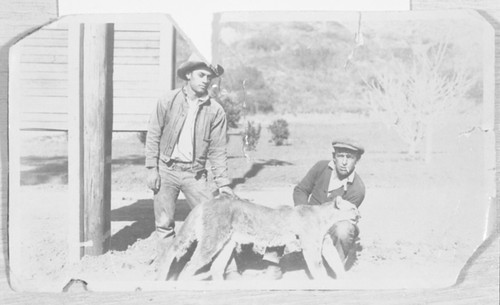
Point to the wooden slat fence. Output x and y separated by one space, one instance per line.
137 80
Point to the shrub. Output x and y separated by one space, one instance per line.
233 109
249 85
279 131
260 101
252 135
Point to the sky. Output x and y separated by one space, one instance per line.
196 22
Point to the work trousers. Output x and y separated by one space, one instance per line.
343 235
176 177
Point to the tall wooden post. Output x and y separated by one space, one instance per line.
75 141
167 56
97 136
17 266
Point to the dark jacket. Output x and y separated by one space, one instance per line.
313 189
165 125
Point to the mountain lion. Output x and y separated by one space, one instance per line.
219 226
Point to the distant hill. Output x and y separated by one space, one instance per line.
299 67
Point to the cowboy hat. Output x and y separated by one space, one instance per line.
195 62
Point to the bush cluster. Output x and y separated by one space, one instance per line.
252 135
279 131
233 109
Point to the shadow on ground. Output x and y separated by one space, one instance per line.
44 170
255 169
129 160
142 214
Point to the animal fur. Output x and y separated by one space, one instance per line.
220 225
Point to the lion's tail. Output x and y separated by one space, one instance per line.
187 235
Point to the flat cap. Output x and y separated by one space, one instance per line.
348 144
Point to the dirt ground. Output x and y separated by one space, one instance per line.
420 221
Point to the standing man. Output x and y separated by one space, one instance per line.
187 128
329 179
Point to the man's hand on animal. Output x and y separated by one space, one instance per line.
153 179
219 226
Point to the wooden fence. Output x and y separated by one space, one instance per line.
143 69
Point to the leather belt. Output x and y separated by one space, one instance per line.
180 166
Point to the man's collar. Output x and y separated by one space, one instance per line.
200 100
349 178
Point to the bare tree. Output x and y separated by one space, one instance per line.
408 96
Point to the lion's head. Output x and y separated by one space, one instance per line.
348 207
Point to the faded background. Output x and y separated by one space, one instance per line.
410 89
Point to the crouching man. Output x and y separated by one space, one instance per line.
328 179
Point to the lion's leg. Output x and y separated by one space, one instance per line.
165 261
203 254
313 258
189 271
332 257
194 264
222 260
201 276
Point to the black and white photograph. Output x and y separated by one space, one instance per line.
326 151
